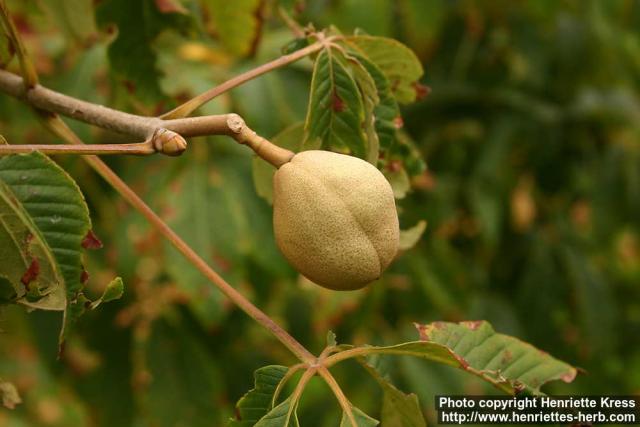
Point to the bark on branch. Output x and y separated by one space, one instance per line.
159 135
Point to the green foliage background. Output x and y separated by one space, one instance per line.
532 198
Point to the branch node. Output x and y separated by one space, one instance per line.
168 142
235 123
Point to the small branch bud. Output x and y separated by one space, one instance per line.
168 142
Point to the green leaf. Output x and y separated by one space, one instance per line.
506 362
398 63
75 17
411 236
236 23
9 395
131 55
386 112
362 419
336 113
177 359
398 409
57 210
369 93
113 291
295 44
26 261
283 415
258 402
6 50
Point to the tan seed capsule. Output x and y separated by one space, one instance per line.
335 219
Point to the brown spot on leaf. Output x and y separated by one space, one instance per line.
422 330
439 325
91 241
472 324
569 376
31 273
394 166
337 104
425 181
463 363
422 91
170 6
506 357
518 387
84 276
110 29
130 86
61 349
299 7
398 123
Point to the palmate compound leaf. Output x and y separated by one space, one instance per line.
398 63
336 112
43 226
258 402
506 362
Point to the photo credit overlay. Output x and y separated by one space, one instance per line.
587 410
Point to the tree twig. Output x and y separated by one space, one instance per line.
193 104
139 149
166 136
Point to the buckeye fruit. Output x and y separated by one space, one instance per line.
335 219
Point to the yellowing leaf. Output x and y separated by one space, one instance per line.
236 23
9 395
411 236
